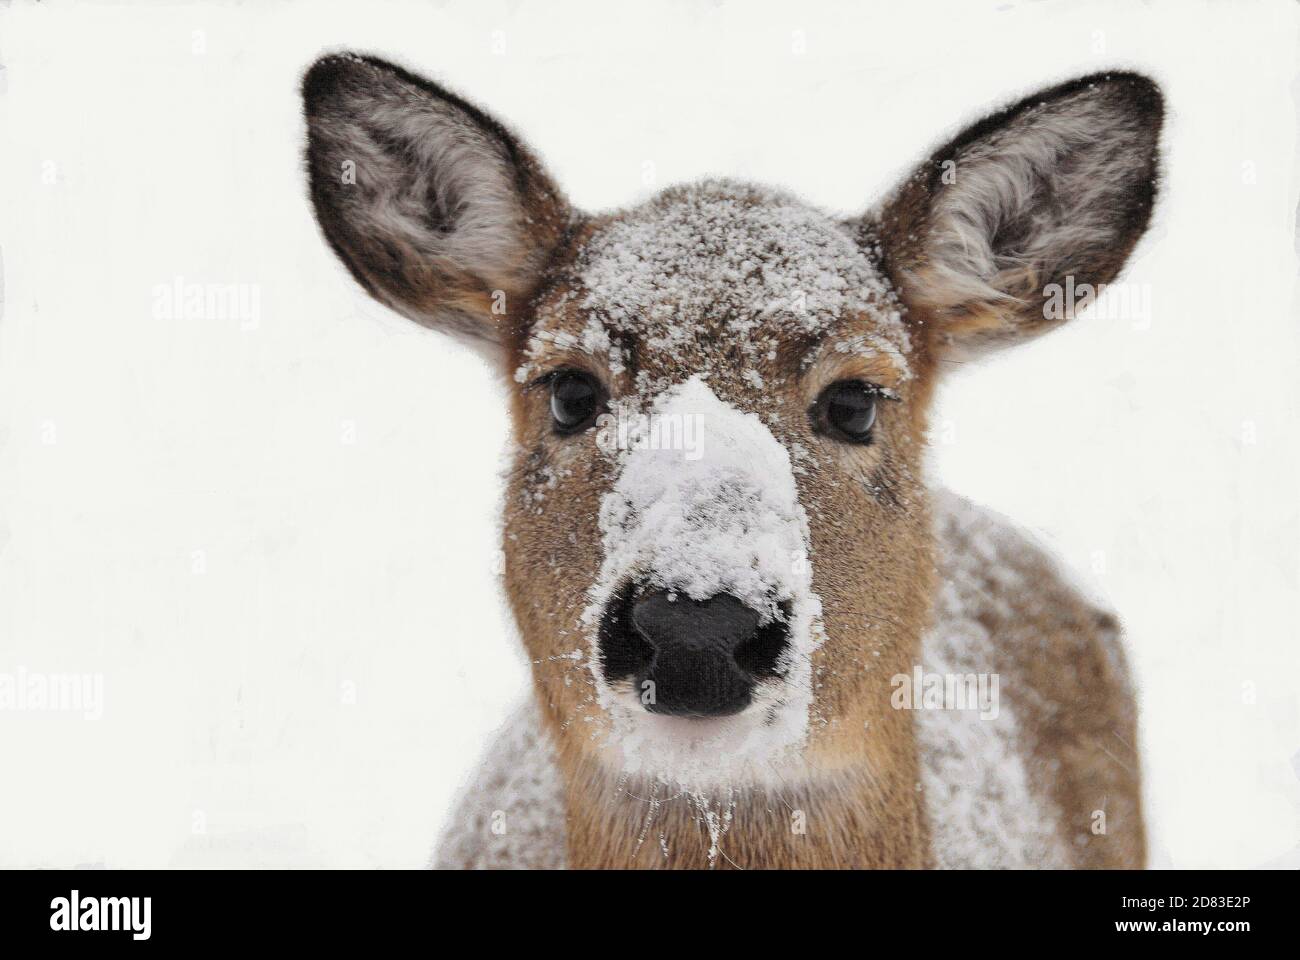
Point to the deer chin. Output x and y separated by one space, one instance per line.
757 746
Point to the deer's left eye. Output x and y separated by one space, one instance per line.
846 411
575 400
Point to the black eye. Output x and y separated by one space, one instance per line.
846 411
575 399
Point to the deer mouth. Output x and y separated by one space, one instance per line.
688 657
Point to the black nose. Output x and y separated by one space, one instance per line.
693 658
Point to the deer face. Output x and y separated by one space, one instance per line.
716 528
713 411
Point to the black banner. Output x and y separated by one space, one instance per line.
334 908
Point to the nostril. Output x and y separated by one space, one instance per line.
623 651
761 653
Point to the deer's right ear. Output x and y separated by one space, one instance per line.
433 206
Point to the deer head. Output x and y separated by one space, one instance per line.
716 531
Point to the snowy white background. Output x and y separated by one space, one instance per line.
275 540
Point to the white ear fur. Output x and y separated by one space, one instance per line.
433 206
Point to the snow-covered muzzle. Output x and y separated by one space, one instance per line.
702 621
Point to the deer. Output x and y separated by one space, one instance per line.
743 600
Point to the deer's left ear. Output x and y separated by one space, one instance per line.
1059 185
433 206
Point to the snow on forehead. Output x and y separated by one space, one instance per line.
732 256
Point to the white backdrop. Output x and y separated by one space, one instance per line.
271 530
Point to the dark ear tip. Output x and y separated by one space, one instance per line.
1141 92
324 77
1135 91
333 72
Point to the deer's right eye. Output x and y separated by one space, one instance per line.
575 400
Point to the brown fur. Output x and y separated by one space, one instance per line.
1064 659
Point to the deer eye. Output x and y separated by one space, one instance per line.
846 411
575 400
